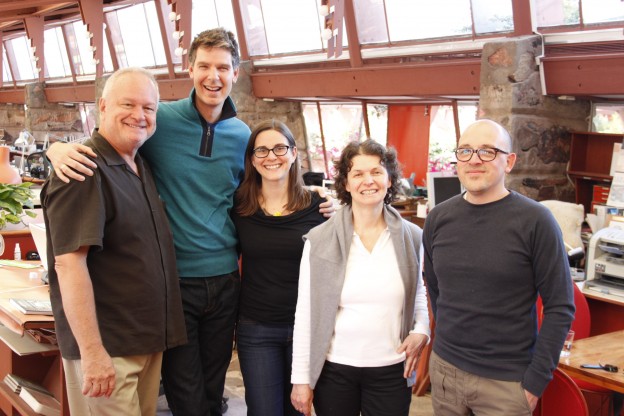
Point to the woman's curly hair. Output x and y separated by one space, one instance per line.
343 165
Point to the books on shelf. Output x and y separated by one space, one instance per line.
42 403
16 383
32 306
36 396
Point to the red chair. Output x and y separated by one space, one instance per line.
562 397
599 398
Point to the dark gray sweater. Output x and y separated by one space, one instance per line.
484 267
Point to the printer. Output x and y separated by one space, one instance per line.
605 262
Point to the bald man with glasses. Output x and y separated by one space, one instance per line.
488 253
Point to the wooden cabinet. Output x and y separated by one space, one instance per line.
590 163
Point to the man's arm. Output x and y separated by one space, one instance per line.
79 305
69 160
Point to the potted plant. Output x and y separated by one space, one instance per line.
14 198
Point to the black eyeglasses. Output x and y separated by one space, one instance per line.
464 154
279 150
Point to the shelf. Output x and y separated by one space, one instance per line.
16 401
590 163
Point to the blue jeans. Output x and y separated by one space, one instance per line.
194 374
265 356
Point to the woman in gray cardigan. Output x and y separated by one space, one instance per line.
362 317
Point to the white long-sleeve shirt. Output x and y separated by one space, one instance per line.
367 329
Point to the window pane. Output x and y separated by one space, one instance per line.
25 67
442 138
209 14
378 122
315 145
409 19
56 60
601 11
492 16
608 118
6 72
291 26
154 31
371 21
83 62
557 12
135 32
254 26
87 115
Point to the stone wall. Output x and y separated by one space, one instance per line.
42 117
540 125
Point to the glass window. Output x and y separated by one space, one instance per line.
557 12
208 14
342 123
87 115
141 35
492 16
370 16
291 26
409 19
442 137
56 60
284 26
254 27
608 118
80 43
602 11
23 66
378 122
6 70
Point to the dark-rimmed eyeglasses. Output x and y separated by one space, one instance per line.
279 150
464 154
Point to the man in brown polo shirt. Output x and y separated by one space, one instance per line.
113 280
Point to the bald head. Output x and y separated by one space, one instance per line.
489 128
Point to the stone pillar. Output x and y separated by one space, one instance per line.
43 117
253 110
511 94
12 120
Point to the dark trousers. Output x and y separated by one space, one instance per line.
343 390
265 356
194 374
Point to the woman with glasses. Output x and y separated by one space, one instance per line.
362 317
272 212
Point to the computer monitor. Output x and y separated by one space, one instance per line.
442 186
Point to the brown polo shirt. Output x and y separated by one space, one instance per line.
131 260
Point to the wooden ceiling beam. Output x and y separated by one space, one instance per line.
459 78
584 75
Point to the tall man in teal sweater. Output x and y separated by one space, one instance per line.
197 157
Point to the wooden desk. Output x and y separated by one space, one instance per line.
603 349
607 312
15 283
45 368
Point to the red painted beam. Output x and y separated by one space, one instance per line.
587 75
448 78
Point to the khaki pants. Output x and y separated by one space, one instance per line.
137 380
457 393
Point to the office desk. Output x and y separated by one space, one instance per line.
607 312
15 283
45 366
603 349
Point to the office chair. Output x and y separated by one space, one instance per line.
599 399
562 397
